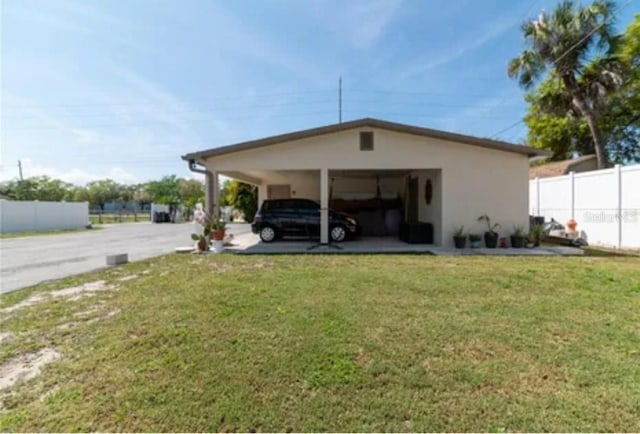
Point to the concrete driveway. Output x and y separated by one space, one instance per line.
30 260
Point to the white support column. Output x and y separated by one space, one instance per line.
618 175
324 206
537 196
215 184
572 181
208 192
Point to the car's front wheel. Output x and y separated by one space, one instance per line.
267 234
338 234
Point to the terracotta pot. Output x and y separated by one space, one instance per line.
217 235
202 245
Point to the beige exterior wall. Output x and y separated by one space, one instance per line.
472 180
304 184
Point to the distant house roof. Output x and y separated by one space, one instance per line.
559 168
370 123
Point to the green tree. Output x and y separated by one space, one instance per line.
166 191
243 197
191 192
37 188
79 194
141 194
224 193
550 124
101 192
554 123
561 43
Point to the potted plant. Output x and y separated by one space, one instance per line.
474 240
490 236
459 238
536 234
518 237
202 239
218 226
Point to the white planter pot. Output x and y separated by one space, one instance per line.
218 246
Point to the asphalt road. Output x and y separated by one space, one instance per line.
30 260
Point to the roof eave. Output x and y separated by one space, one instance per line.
369 122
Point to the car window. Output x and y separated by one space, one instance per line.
308 205
289 205
272 205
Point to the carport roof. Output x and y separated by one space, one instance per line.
369 123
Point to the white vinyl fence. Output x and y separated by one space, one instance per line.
22 216
605 203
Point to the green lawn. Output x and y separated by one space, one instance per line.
116 218
50 232
334 343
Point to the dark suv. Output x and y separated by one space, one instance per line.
300 217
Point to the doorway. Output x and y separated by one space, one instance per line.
279 191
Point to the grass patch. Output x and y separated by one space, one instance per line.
610 252
49 232
118 218
334 343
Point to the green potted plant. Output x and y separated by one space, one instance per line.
459 238
474 240
491 235
217 228
518 237
202 238
536 234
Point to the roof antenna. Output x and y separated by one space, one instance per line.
340 99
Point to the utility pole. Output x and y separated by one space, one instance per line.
340 100
20 170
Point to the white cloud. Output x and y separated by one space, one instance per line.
367 21
362 23
75 18
445 57
75 175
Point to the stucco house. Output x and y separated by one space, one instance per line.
424 175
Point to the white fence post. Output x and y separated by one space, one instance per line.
618 173
537 196
572 180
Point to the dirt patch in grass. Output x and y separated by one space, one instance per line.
72 293
25 367
222 267
127 278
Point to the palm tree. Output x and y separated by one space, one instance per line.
576 45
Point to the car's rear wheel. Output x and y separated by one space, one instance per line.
338 234
267 234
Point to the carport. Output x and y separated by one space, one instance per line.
386 173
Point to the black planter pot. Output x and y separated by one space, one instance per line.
517 242
491 240
460 242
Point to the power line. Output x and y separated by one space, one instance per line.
188 100
246 116
515 124
226 108
135 125
295 103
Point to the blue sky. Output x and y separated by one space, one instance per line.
121 89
